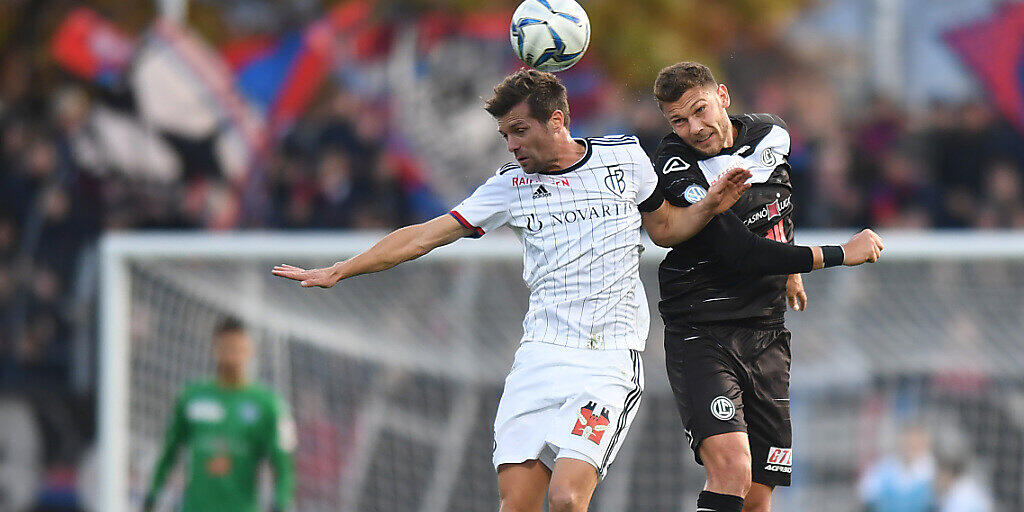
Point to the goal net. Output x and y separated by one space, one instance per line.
393 378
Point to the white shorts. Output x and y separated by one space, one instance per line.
564 402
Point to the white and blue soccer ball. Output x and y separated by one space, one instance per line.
550 35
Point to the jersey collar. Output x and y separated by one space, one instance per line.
741 133
579 163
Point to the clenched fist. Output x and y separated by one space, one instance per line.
865 246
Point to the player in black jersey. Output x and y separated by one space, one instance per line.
727 350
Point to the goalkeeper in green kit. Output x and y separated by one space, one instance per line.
229 427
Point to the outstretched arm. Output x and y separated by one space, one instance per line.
670 225
746 251
401 245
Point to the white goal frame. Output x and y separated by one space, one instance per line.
118 249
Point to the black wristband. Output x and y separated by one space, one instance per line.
832 255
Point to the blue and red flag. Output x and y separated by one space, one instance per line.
994 49
91 47
282 75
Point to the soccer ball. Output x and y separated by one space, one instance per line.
550 35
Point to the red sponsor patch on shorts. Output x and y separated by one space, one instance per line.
780 456
590 424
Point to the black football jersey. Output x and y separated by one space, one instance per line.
696 285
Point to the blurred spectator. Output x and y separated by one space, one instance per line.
337 191
962 140
1001 205
648 124
959 490
902 196
8 235
320 457
903 482
61 233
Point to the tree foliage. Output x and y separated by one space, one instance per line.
635 39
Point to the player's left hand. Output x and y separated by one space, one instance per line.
795 295
727 190
322 277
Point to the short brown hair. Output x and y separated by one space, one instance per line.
543 92
227 325
676 79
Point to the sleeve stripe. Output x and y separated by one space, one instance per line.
462 220
614 138
508 167
613 143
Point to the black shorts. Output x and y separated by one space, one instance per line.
728 378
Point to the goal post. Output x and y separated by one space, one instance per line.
394 377
113 377
119 251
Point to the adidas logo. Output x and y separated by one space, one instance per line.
541 192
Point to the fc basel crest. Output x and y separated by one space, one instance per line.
615 180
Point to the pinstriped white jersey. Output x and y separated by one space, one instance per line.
580 230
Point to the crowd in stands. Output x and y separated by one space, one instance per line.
954 166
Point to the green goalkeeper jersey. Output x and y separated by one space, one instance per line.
228 432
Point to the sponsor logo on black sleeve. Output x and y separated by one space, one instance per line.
694 193
722 408
674 164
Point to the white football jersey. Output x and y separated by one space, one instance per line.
580 229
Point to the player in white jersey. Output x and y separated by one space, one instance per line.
577 206
580 231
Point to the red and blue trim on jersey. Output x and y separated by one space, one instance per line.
462 220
